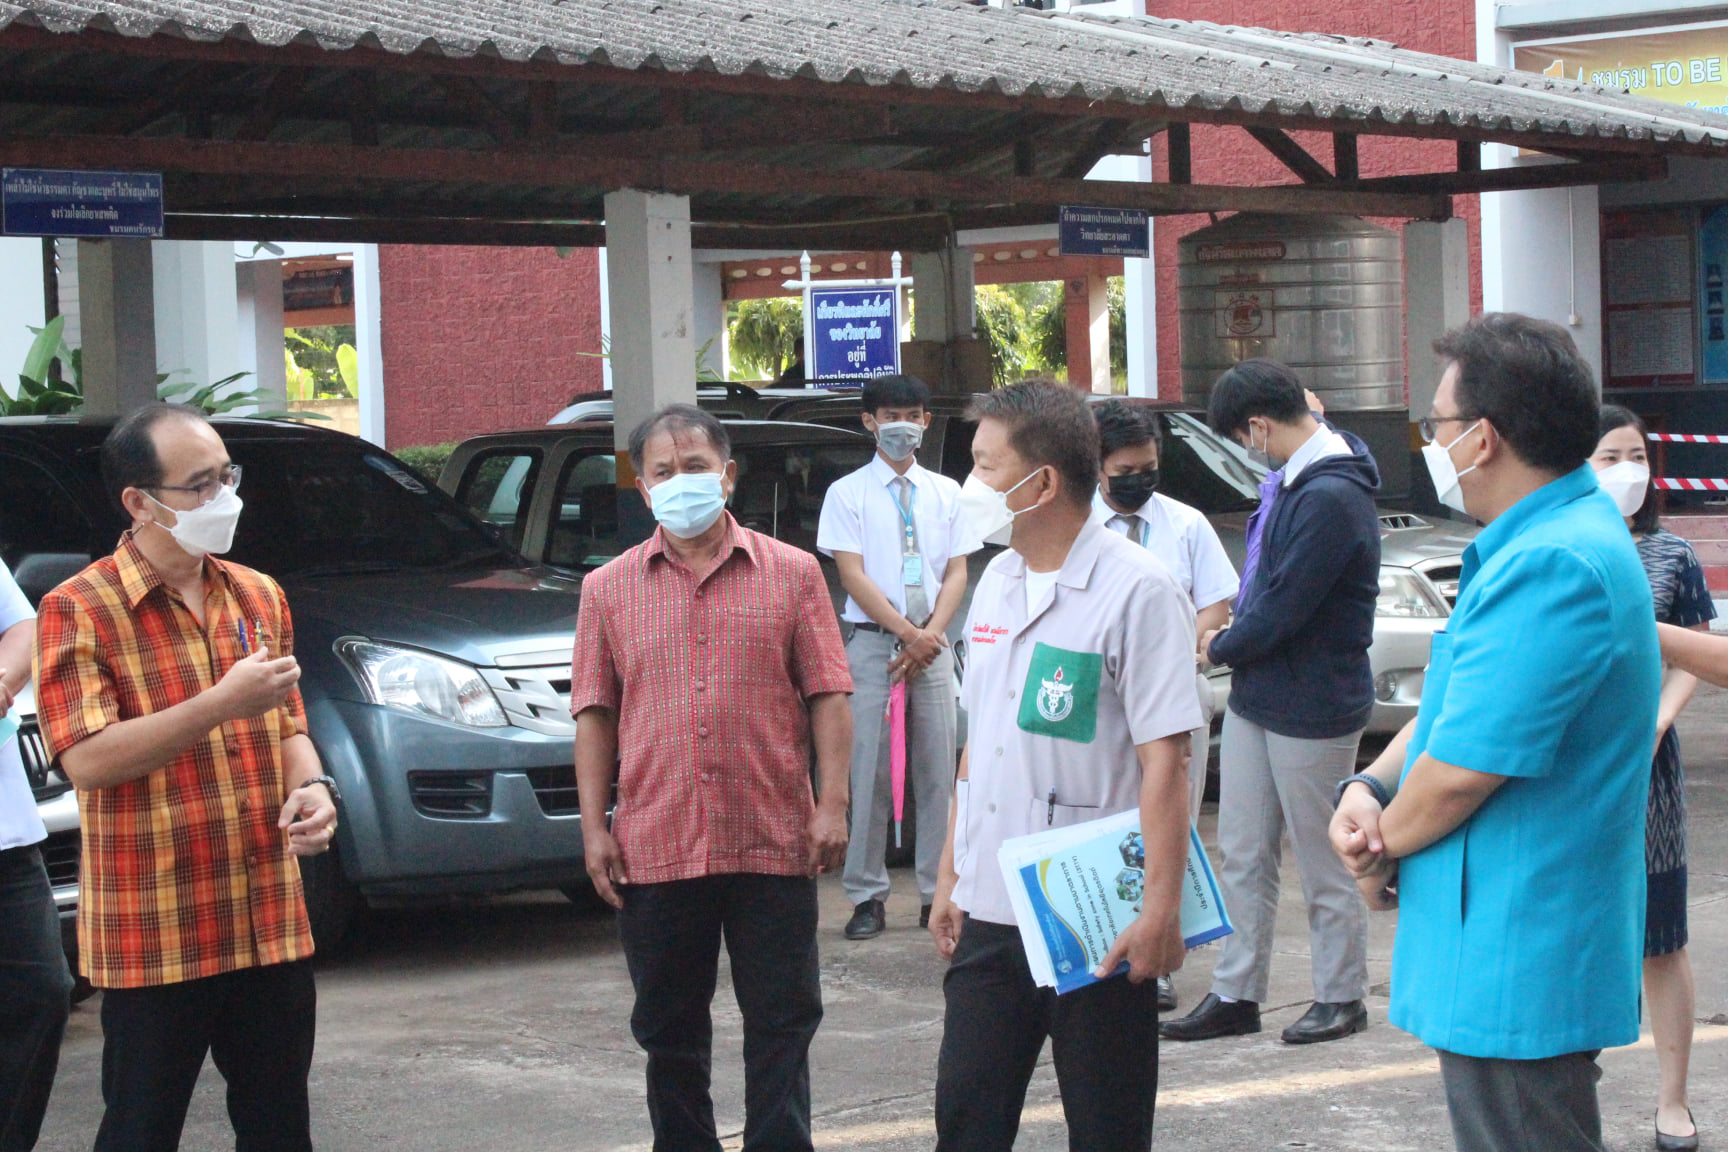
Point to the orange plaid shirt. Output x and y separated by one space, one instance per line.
184 873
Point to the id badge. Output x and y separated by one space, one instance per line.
912 571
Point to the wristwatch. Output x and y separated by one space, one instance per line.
329 783
1374 785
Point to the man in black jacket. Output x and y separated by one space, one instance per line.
1300 696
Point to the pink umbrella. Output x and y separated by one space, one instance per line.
897 752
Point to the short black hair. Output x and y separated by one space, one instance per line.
1525 377
129 457
1257 387
894 392
676 418
1648 518
1124 425
1048 424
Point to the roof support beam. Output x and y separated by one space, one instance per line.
284 86
1181 157
1616 170
1291 154
1344 163
279 161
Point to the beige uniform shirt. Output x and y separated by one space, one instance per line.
1057 698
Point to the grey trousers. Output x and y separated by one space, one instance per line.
930 766
1200 749
1523 1105
1269 783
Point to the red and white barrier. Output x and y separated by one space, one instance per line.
1673 485
1687 438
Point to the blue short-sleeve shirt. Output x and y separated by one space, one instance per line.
1520 934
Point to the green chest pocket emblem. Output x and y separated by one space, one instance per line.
1060 697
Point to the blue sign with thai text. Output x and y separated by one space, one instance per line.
1105 232
47 202
855 332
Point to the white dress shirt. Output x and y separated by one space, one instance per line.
1182 539
860 515
19 822
1325 442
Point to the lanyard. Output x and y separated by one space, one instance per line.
907 514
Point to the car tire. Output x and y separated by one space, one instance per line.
332 900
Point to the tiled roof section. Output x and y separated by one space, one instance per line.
938 44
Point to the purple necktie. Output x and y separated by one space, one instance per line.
1256 524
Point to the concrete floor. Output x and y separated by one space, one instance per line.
505 1027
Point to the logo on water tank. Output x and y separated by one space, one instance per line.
1244 314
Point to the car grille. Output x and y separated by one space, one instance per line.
535 696
1401 521
46 781
60 854
451 795
555 788
1444 577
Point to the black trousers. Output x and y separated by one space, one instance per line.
35 993
256 1023
671 934
1105 1049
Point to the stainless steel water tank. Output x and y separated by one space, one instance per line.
1323 294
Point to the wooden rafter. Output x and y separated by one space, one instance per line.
1291 154
263 118
1177 140
1344 161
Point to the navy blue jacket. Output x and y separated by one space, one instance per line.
1298 652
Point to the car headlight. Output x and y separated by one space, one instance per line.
1402 593
422 683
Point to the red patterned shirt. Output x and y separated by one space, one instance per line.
184 873
708 678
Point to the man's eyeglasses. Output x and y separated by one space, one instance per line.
206 490
1430 426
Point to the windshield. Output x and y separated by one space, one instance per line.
330 508
1206 470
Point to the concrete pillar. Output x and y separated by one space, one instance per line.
1139 284
197 311
1436 298
943 292
21 305
369 343
1087 307
117 304
261 350
1563 283
651 296
709 299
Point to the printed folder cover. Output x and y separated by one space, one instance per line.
1075 889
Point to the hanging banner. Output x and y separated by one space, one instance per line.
44 202
856 332
1105 232
1686 66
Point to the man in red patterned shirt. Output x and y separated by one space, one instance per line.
707 660
166 691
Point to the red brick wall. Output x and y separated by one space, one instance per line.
484 339
1230 156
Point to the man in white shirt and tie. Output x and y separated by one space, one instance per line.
1181 538
897 536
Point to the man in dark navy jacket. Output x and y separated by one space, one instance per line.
1300 695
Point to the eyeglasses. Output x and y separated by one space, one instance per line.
1430 427
206 490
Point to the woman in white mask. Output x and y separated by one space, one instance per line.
1622 466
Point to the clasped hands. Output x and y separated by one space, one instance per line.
918 649
1355 834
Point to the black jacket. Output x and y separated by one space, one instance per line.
1298 651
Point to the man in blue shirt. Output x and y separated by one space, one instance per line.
1507 821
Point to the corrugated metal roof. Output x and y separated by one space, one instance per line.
1199 68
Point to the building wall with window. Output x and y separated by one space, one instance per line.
484 339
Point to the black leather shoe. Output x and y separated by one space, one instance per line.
1667 1143
1324 1022
924 916
1213 1018
868 919
1166 995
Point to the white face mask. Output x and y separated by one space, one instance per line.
207 530
898 439
1627 483
1260 455
687 504
1445 474
987 509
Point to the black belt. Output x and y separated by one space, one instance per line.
868 627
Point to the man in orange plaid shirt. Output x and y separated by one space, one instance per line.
166 692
